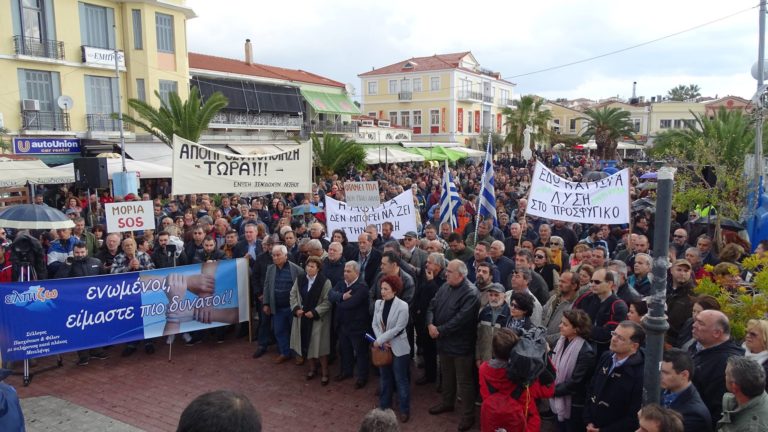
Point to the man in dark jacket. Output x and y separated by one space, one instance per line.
616 391
431 278
250 245
351 299
368 258
710 353
679 298
451 321
680 394
604 308
166 255
209 252
333 264
258 274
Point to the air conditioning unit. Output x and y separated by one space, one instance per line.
30 105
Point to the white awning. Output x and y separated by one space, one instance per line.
15 173
262 149
389 155
154 152
427 144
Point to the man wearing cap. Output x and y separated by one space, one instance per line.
493 316
418 257
679 292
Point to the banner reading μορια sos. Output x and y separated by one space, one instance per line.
41 318
603 201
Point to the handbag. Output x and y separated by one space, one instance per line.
383 356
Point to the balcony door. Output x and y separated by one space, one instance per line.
33 20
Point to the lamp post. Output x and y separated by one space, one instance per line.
758 72
655 322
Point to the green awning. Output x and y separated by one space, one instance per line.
437 153
330 103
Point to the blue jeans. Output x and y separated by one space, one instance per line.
396 375
281 320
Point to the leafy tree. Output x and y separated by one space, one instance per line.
568 140
497 142
334 154
5 146
528 111
684 92
186 119
607 125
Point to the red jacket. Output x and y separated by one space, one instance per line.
6 274
497 377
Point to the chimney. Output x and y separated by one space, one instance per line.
634 90
248 52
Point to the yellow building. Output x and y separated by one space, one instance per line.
639 115
58 66
445 98
673 115
565 121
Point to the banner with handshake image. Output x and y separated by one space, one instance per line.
42 318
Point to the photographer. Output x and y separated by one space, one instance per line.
167 253
27 258
79 264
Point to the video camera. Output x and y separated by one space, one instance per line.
27 252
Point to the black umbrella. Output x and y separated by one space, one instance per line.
642 204
595 176
34 216
725 223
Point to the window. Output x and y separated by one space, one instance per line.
164 28
572 125
33 19
141 90
405 85
405 119
417 118
434 117
96 26
99 95
34 29
665 124
417 84
434 83
392 86
166 88
373 87
138 41
372 114
690 123
470 121
393 117
556 126
636 124
39 85
678 124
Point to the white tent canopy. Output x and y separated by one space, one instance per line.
15 173
622 145
427 144
386 155
146 170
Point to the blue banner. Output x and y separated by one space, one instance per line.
46 146
42 318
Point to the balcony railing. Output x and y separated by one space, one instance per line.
241 120
506 102
405 96
333 127
102 123
44 120
38 48
488 99
470 95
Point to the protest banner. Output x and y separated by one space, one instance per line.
129 216
199 169
362 194
603 201
353 220
48 317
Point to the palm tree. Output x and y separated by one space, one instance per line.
334 154
186 119
607 126
684 92
528 111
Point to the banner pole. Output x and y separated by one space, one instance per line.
525 215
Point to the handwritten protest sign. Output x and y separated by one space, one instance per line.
362 194
603 201
400 211
129 216
199 169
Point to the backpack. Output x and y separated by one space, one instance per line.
528 359
500 412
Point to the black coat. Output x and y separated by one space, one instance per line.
454 312
164 258
605 315
372 267
78 268
696 417
505 266
202 256
425 292
241 249
709 374
614 398
352 314
576 386
333 271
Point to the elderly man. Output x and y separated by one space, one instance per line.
604 308
131 259
680 242
350 296
278 282
745 407
451 319
693 256
108 252
503 264
616 391
704 245
431 278
552 312
511 242
520 281
710 353
368 258
333 263
641 279
417 256
680 394
317 232
484 229
624 290
545 233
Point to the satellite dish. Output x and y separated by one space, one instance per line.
349 88
65 102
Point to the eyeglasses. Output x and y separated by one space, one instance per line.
596 282
539 256
514 306
678 236
618 336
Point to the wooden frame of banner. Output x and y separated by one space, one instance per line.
527 196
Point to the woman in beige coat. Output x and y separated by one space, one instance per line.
311 327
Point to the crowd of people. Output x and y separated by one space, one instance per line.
454 303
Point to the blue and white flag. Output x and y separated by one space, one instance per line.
449 199
487 202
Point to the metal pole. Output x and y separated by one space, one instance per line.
759 122
120 112
655 322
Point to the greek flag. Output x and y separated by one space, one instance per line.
449 199
487 201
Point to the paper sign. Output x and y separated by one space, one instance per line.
129 216
362 194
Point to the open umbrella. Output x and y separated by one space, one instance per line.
306 208
648 175
34 216
725 223
647 185
642 204
595 176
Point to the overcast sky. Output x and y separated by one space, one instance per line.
340 39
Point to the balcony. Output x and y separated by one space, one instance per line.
332 127
34 47
242 120
506 102
488 99
405 96
102 123
45 120
470 96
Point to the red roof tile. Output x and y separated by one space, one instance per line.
422 64
221 64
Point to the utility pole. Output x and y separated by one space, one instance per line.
655 323
759 174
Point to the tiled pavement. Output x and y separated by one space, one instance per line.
149 392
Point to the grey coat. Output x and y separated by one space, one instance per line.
269 282
320 341
396 322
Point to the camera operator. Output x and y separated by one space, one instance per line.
167 253
27 258
79 264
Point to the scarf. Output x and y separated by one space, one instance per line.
760 357
565 361
309 302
